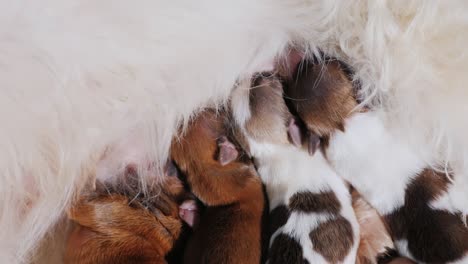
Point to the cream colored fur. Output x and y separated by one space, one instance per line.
77 77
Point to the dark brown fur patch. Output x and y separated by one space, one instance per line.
285 249
333 239
278 218
433 236
323 202
322 95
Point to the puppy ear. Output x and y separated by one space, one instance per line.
288 65
314 143
294 132
341 127
227 152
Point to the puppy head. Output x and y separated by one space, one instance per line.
164 195
267 118
322 95
208 154
118 223
269 115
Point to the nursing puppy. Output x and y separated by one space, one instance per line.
394 178
223 177
311 217
95 68
116 223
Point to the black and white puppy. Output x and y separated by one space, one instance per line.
424 210
311 215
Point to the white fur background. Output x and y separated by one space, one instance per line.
79 76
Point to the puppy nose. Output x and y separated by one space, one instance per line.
188 211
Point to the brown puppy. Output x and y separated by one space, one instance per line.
222 176
118 224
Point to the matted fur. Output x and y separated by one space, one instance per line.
78 76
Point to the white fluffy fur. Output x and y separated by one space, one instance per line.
374 161
455 200
78 76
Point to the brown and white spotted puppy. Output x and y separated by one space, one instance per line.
224 178
311 216
117 223
423 210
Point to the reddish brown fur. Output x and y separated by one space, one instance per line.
115 225
230 228
375 239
